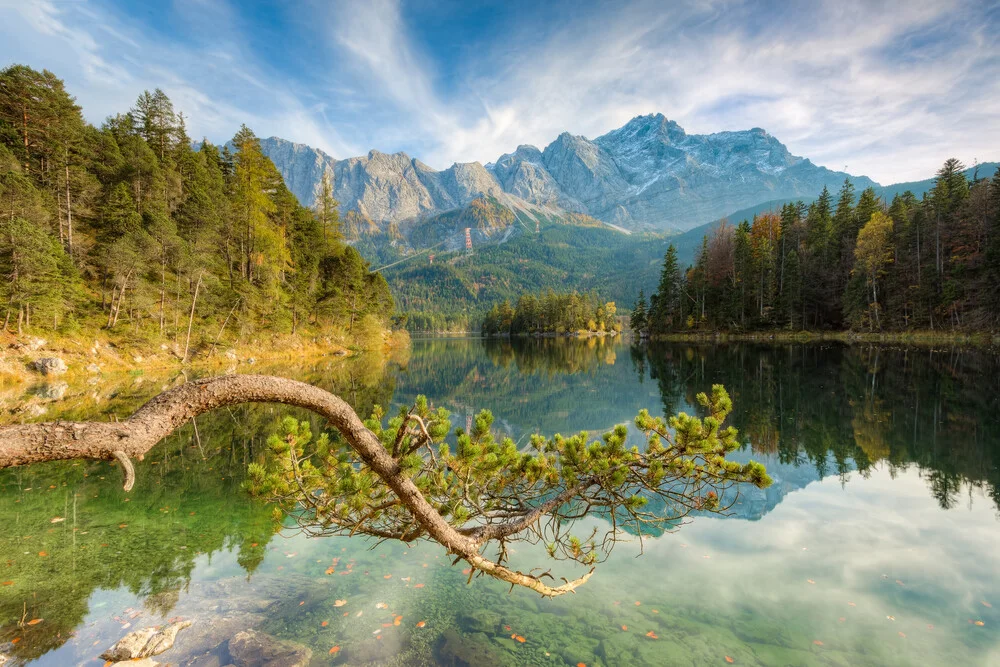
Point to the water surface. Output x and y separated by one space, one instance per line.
878 544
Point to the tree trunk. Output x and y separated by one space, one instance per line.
194 301
69 213
53 441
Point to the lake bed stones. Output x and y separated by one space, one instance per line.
145 643
257 649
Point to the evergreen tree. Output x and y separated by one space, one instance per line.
637 321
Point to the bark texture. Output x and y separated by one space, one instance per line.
52 441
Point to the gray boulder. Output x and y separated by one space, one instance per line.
50 366
256 649
145 643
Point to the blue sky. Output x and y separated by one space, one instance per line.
889 90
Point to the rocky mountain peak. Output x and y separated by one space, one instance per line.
649 173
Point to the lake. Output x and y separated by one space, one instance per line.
877 544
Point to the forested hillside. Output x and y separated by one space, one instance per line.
845 261
456 289
129 228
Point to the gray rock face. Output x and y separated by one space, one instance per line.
50 366
256 649
383 187
647 174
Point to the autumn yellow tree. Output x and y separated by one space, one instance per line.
872 255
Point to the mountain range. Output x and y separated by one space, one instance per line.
648 175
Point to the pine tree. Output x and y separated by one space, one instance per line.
664 304
637 321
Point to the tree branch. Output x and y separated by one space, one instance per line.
35 443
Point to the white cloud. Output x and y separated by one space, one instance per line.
888 90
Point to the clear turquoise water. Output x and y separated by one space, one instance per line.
878 544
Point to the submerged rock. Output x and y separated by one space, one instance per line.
50 366
145 643
256 649
455 650
145 662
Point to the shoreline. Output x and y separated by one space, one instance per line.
96 354
918 338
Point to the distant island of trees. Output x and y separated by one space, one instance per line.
854 263
553 313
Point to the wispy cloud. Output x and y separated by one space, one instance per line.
889 90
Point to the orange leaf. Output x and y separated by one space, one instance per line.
43 554
378 636
324 624
339 603
7 583
729 660
651 635
625 628
253 545
388 576
980 623
519 638
817 642
35 621
15 640
810 581
419 586
637 603
122 525
467 570
581 664
421 624
330 570
987 604
302 603
903 635
335 649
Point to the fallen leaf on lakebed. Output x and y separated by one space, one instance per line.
335 649
57 519
979 623
35 621
652 635
419 586
339 603
518 638
817 642
7 583
324 624
421 624
467 570
624 628
729 660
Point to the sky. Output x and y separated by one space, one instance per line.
885 89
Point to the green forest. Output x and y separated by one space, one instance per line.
551 312
845 262
132 228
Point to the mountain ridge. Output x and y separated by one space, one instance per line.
648 174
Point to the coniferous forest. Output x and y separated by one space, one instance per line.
552 313
844 262
132 228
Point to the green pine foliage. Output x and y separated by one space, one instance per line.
860 263
131 227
